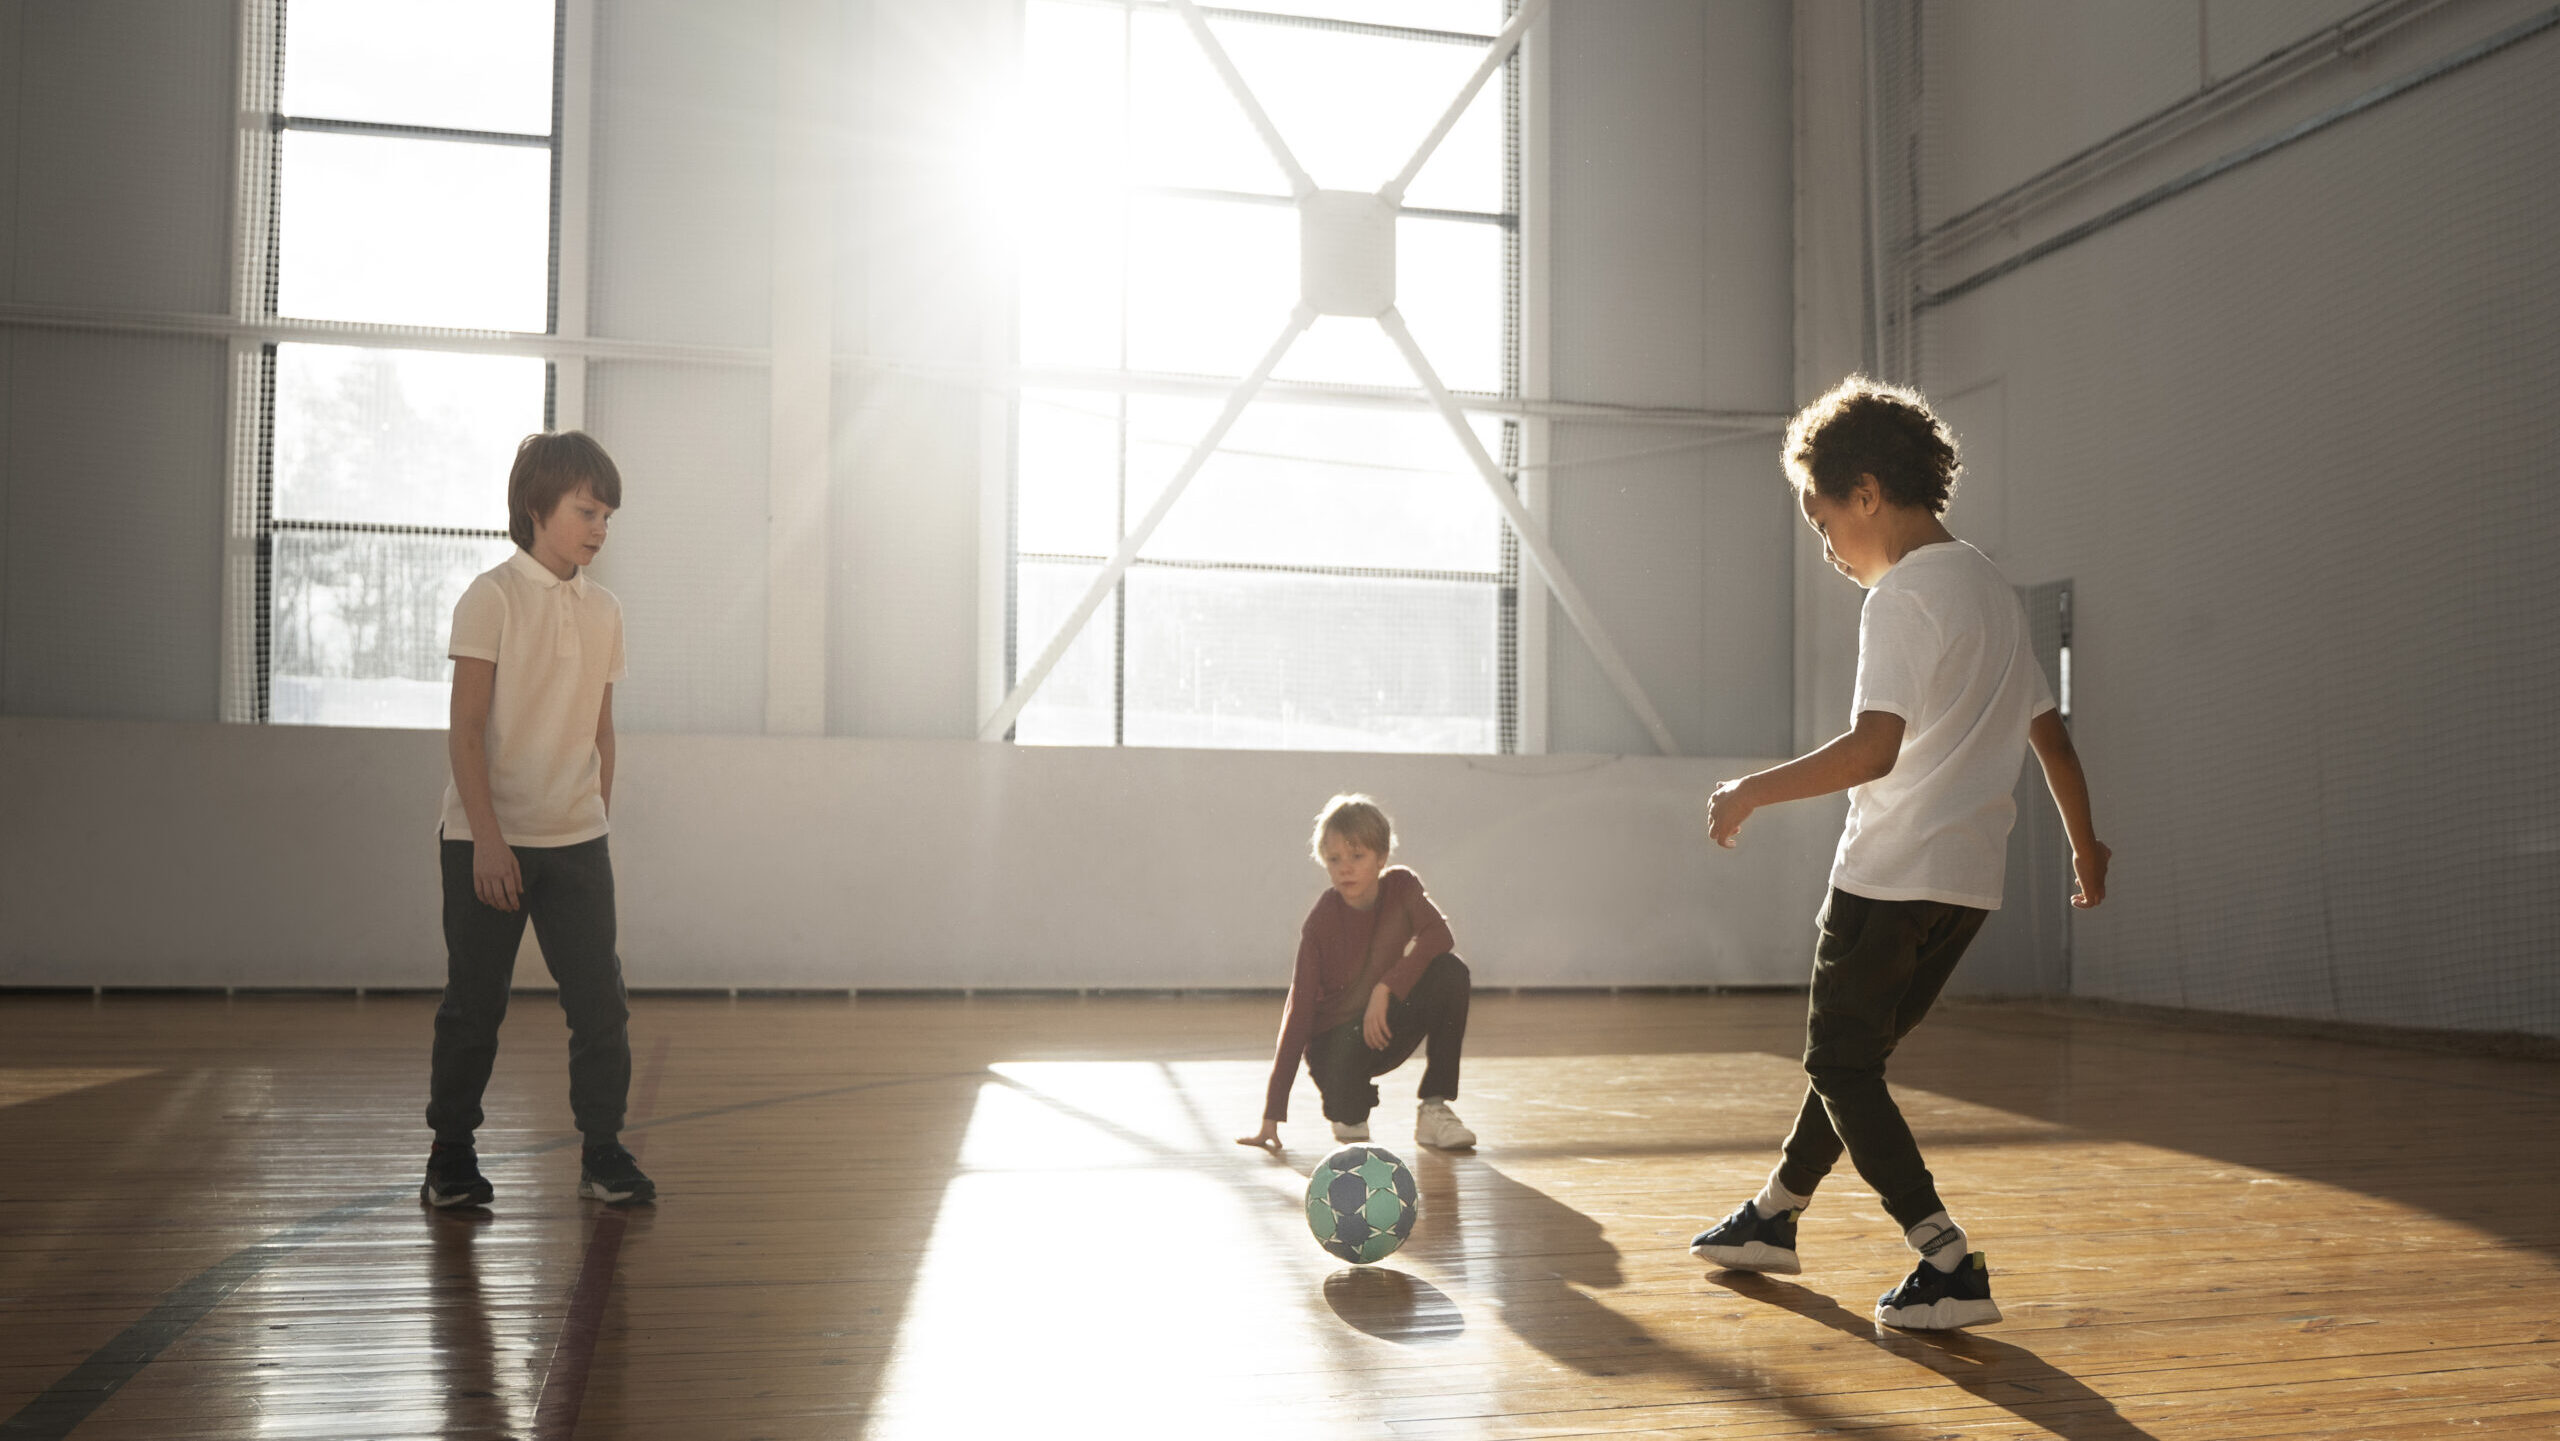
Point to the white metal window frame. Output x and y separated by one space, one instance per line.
1525 591
255 329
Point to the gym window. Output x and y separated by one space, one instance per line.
1335 578
412 199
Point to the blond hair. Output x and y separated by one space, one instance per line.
1358 821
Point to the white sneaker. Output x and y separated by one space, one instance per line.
1348 1134
1436 1125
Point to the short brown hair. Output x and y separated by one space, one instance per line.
1866 427
1358 820
549 465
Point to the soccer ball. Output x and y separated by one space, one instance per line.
1361 1203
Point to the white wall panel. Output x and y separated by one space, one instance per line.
1672 285
124 115
306 858
687 556
2017 85
2291 436
682 193
113 472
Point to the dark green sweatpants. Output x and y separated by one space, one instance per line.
1877 968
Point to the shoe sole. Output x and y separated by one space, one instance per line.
597 1190
428 1195
1468 1144
1942 1315
1751 1256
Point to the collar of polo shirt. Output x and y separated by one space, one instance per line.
523 559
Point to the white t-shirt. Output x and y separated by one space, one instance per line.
557 644
1942 643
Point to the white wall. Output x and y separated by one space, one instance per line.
207 855
2291 435
116 125
1672 286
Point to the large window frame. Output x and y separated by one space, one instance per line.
250 664
1504 572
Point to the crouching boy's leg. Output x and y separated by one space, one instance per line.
570 893
1433 1015
1342 1066
480 944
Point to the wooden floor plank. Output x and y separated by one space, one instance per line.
1010 1216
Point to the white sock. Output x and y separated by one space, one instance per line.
1774 1198
1939 1240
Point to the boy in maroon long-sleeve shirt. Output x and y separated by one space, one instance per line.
1376 977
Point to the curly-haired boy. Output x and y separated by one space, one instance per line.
1949 696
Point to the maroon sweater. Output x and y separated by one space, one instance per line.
1342 956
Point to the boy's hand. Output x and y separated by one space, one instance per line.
495 877
2089 867
1726 811
1373 1026
1268 1138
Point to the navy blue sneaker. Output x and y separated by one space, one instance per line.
1933 1300
454 1179
1749 1241
611 1175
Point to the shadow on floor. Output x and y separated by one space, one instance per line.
2010 1377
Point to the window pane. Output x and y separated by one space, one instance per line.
359 624
1252 660
1210 283
1067 493
1347 350
400 437
1449 288
1074 707
1071 172
1185 127
414 232
1317 485
453 64
1352 107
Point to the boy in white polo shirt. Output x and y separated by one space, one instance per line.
1949 697
537 648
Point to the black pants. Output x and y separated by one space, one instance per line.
1435 1010
1876 971
568 895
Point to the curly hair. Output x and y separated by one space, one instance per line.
1866 427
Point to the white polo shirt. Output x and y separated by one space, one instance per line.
557 644
1942 643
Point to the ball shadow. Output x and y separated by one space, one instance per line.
1393 1306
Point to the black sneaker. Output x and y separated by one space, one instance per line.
1933 1300
609 1174
1749 1241
454 1179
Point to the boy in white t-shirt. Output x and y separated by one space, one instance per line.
1949 697
537 648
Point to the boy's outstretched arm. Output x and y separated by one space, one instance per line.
1865 754
2070 787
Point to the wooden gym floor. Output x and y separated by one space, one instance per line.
1026 1218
